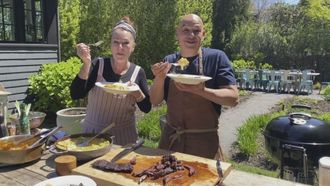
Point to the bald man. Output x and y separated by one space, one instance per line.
193 110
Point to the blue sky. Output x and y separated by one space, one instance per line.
291 1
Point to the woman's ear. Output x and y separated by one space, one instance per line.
133 47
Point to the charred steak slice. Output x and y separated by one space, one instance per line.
112 167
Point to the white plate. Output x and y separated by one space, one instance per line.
188 78
68 181
127 88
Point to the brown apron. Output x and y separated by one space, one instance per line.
192 125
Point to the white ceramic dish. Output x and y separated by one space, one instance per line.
127 88
189 78
68 181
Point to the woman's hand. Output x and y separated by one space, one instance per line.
138 95
160 69
83 52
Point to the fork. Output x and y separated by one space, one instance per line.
85 143
97 44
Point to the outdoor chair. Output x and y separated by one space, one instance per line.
262 80
273 81
306 82
247 79
287 81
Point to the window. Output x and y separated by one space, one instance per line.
33 24
22 21
7 29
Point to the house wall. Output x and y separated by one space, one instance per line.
18 62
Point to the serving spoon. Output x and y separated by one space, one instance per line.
85 143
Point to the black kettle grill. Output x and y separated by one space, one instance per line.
298 141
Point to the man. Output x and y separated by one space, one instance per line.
193 110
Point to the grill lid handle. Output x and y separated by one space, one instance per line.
299 118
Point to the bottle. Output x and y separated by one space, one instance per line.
3 127
23 110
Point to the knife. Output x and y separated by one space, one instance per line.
127 150
220 173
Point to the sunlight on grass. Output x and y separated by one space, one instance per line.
254 170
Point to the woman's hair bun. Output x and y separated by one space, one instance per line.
128 20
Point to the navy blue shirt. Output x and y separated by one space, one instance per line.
215 65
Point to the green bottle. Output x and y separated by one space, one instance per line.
24 121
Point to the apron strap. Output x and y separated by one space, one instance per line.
101 65
135 73
179 132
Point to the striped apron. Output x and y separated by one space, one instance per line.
104 108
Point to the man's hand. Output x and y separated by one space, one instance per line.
160 69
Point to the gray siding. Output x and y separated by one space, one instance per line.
18 62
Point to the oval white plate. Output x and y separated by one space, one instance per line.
188 78
67 181
128 89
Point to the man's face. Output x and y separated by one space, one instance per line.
190 33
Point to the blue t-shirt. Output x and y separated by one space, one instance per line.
215 64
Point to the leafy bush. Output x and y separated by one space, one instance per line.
149 127
50 86
243 64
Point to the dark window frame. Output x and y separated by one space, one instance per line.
20 23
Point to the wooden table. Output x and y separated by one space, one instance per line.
37 171
44 168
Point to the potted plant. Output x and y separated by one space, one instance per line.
71 119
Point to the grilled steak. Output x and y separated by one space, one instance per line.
113 167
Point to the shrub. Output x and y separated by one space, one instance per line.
149 127
246 64
50 86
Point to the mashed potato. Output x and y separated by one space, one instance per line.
71 144
183 62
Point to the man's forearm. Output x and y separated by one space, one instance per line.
223 96
157 91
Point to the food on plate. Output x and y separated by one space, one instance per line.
116 86
114 167
183 62
71 144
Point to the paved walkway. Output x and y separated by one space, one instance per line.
233 118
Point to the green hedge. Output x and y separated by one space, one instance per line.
51 86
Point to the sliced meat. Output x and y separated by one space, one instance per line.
112 167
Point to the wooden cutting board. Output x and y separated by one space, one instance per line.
206 173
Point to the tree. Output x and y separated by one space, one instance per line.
69 26
226 15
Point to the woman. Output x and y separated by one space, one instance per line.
104 108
